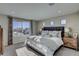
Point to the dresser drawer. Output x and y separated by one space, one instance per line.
70 42
0 48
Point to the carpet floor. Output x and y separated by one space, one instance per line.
11 51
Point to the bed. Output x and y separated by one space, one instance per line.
47 44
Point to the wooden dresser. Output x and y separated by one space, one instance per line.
70 42
1 37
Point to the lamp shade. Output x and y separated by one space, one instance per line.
67 30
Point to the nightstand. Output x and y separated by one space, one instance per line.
70 42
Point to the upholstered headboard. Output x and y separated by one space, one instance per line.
55 29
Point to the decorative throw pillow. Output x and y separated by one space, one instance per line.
37 39
59 34
44 33
53 33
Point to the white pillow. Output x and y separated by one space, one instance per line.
44 33
53 33
59 34
37 39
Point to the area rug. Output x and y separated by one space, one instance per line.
24 52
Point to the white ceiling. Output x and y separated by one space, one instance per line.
38 11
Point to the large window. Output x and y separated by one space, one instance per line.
21 26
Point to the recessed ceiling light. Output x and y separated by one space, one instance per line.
59 11
13 12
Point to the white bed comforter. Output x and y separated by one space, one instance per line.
58 40
46 45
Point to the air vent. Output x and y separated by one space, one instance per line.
51 4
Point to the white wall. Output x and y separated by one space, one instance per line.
72 21
4 25
34 27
